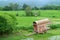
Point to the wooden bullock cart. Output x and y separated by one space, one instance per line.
40 26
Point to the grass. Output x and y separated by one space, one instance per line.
43 13
35 37
27 22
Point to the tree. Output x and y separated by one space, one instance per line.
24 6
28 11
7 8
36 8
50 7
11 6
7 23
1 8
14 6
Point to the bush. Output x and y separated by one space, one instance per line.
30 28
28 11
53 16
36 14
54 26
7 23
17 14
29 14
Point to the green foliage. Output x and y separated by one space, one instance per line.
15 6
11 6
27 22
17 14
7 8
50 7
7 23
1 8
35 8
28 11
24 6
54 26
26 28
36 13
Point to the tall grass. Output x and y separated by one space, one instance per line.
54 26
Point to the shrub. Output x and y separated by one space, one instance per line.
17 14
28 11
36 14
54 26
7 23
30 28
54 16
